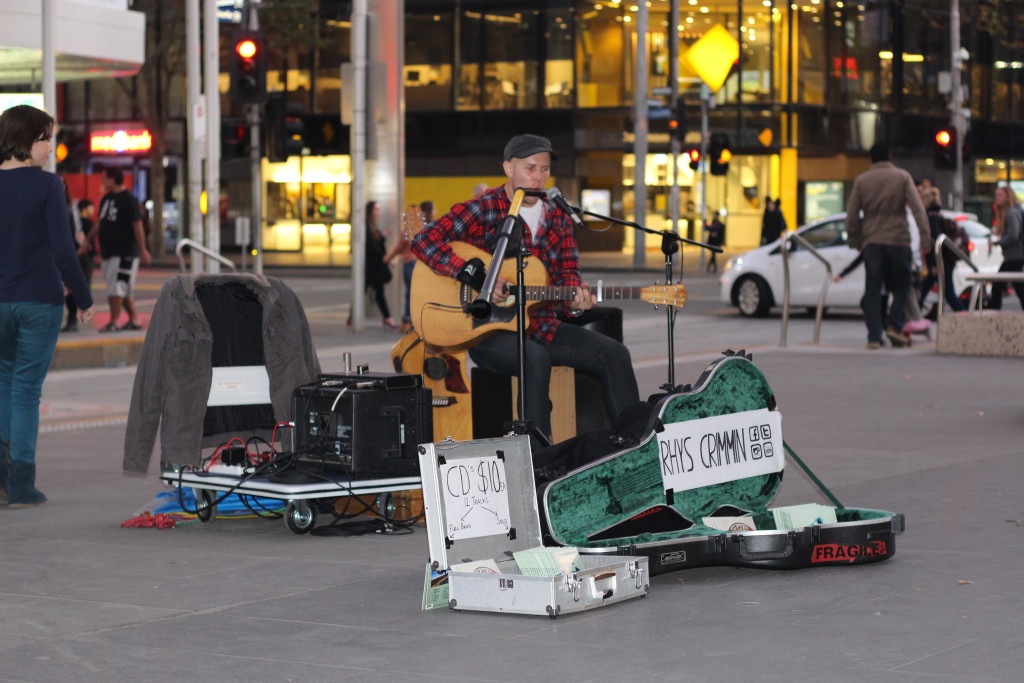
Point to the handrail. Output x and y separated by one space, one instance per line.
786 237
195 246
943 242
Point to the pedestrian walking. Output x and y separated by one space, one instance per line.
773 223
876 223
1010 231
37 260
122 247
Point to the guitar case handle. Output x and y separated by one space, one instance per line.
764 546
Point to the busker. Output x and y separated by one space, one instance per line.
548 236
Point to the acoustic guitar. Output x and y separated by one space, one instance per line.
439 304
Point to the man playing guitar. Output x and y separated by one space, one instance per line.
548 237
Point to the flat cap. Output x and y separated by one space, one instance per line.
522 146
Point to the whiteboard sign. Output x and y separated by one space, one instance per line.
714 450
475 494
239 385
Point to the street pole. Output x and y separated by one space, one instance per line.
674 141
196 129
640 136
211 89
957 103
705 102
359 132
255 172
49 72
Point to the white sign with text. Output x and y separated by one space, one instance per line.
475 494
713 450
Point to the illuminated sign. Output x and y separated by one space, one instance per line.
121 141
11 99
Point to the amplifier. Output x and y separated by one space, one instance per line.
355 424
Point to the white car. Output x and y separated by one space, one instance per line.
753 281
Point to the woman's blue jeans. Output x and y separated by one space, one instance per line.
28 339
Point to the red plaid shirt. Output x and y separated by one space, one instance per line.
478 222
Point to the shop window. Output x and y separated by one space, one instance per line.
429 53
809 52
602 53
860 72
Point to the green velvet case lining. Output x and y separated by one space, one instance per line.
616 488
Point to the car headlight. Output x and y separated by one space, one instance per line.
733 262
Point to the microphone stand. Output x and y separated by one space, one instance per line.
512 231
669 246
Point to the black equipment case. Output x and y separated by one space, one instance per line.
713 450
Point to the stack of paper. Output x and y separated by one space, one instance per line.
799 516
541 561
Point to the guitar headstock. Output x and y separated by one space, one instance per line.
664 295
413 221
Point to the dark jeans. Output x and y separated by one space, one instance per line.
576 347
889 266
28 338
1011 266
407 269
382 301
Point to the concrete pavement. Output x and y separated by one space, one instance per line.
936 438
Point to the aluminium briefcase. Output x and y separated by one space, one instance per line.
711 451
480 505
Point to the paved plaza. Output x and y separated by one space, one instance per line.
937 438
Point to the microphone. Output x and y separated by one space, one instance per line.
532 193
554 195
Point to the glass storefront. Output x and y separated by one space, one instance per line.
307 204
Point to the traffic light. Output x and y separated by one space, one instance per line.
719 153
248 68
284 128
234 140
71 151
945 143
694 156
677 121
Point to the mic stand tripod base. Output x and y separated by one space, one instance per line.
525 428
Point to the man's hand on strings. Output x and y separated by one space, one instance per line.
584 299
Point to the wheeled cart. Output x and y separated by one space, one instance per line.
303 499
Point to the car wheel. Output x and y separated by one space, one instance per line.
753 297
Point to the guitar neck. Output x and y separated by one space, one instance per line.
567 293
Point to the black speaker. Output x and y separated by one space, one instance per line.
358 428
493 401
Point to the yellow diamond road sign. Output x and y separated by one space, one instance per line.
713 55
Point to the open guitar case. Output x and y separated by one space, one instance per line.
629 501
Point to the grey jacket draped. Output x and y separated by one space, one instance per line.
172 382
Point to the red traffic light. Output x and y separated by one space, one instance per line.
944 138
246 48
694 155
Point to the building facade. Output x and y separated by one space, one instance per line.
817 82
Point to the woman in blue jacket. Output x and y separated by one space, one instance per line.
37 260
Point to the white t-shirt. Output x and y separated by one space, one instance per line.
532 215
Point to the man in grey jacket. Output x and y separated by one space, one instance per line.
876 223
